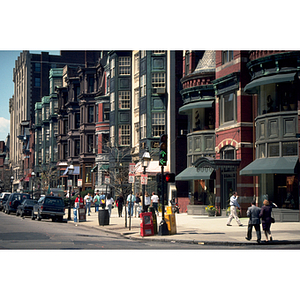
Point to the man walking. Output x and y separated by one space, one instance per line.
87 202
233 205
130 203
254 220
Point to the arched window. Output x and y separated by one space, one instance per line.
228 152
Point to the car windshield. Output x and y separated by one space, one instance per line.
54 201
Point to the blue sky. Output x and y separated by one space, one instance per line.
7 63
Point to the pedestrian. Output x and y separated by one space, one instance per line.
97 201
254 221
120 203
147 201
109 203
78 201
87 202
265 215
154 201
102 200
130 203
137 205
233 205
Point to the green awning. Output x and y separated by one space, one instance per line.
271 165
183 110
191 173
251 88
104 167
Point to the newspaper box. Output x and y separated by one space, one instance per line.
81 213
146 224
171 222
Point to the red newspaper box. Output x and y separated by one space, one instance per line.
146 224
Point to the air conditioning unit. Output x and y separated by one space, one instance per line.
158 90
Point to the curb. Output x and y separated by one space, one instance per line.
133 235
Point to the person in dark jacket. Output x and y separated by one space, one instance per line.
254 221
265 215
120 202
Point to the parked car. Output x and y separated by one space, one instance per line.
14 200
3 198
49 207
25 208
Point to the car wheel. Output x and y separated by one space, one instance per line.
32 216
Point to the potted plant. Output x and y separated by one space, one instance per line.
211 210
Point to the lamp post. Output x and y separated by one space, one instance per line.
145 162
32 183
70 172
11 182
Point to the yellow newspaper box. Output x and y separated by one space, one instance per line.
169 210
171 223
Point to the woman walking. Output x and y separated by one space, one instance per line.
265 215
120 202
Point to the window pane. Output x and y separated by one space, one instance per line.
273 149
289 148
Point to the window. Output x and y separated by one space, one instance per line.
159 52
66 129
143 53
90 143
143 85
65 151
37 67
227 108
136 63
55 129
227 56
124 65
91 84
91 114
124 100
106 111
143 126
136 98
112 68
37 82
289 148
112 136
77 92
227 152
158 80
124 135
158 124
77 120
47 112
187 63
105 143
88 177
112 101
273 149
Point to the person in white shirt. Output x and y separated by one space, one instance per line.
87 201
147 201
109 203
233 205
154 201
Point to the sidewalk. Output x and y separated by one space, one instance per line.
196 229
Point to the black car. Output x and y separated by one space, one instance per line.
14 200
3 198
25 208
49 207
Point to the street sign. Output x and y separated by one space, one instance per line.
131 168
131 178
79 182
144 179
107 180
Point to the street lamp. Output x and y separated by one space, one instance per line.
145 162
11 182
32 183
70 172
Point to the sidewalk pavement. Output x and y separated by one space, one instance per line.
196 229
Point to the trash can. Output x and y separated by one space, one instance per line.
103 217
152 210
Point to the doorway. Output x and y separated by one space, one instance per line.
229 185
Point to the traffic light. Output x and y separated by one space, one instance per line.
170 177
163 150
